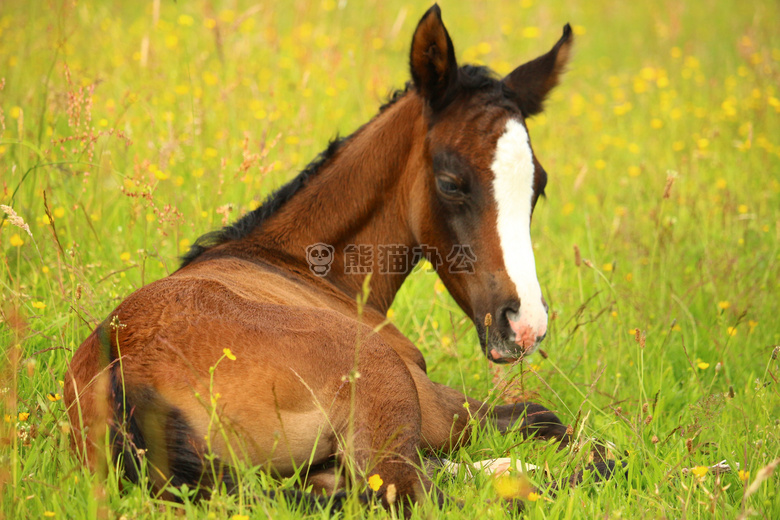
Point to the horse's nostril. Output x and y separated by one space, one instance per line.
509 312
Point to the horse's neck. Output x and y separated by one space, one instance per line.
360 199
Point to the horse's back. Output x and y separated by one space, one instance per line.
267 354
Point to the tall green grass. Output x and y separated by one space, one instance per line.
130 128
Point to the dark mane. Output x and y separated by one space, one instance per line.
244 225
477 77
470 78
395 96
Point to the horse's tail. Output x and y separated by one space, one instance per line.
142 427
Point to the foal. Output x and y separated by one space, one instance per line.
256 349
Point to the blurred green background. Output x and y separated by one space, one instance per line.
130 128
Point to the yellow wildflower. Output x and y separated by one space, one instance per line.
531 32
484 48
228 354
375 482
700 471
53 397
509 487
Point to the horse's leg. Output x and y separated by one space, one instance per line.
386 426
446 413
324 479
530 419
445 424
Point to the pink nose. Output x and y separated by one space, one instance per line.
525 335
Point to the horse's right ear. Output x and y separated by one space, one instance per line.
432 60
532 81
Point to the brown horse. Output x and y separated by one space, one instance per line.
256 349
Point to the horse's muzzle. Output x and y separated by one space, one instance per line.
507 351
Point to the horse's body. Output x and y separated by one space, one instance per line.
316 374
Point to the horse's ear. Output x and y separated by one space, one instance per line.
432 59
532 81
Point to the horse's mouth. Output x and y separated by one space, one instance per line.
502 345
503 351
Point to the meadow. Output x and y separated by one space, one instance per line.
128 129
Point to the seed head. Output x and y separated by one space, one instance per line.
668 187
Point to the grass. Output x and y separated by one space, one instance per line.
130 128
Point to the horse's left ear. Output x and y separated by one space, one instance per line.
532 81
432 60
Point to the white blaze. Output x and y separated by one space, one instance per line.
513 188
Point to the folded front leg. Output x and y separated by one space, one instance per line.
530 419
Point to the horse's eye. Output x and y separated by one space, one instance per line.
447 187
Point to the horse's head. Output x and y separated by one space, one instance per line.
480 184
